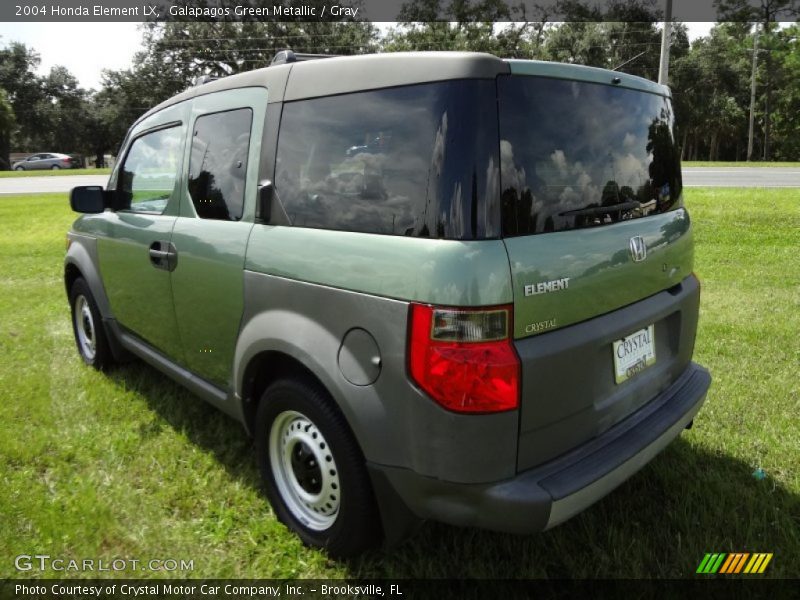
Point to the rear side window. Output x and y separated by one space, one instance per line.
417 161
218 164
577 154
147 178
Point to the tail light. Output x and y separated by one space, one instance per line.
463 358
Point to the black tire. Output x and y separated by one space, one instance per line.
87 327
19 168
55 168
353 526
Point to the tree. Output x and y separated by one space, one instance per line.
7 123
710 91
65 114
23 89
766 13
786 108
469 26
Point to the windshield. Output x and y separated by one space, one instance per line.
575 154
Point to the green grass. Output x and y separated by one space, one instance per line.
128 464
708 163
52 172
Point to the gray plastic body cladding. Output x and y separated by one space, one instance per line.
82 254
569 395
394 422
542 497
347 74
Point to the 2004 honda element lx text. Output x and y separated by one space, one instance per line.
430 285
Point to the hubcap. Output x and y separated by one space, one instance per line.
84 327
305 472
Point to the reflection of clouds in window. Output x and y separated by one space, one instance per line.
629 141
456 216
569 146
491 207
439 145
402 161
510 174
629 170
560 161
571 183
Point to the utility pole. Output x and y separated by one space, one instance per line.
752 97
663 67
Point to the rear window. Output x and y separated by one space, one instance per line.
576 155
415 161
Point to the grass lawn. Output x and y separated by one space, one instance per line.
707 163
52 172
128 464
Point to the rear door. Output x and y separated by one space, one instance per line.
136 257
216 217
592 223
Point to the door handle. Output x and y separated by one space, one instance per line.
163 259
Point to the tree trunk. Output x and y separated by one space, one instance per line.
5 151
712 148
684 143
100 158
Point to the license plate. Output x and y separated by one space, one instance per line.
634 353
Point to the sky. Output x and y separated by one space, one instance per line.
91 47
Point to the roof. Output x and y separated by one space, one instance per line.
340 75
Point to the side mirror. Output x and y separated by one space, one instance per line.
87 199
264 203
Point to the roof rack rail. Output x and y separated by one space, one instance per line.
289 56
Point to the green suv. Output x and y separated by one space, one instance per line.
430 285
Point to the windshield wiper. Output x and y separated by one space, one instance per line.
603 210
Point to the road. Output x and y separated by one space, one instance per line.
692 177
56 183
741 177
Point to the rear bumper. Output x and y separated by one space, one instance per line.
549 494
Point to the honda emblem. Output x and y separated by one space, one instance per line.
638 248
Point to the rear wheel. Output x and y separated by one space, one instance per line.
90 337
313 469
55 168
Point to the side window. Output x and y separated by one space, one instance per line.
218 164
417 161
147 177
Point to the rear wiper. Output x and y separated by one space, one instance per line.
603 210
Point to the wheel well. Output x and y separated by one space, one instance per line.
71 273
262 370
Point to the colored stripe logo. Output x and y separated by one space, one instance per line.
734 563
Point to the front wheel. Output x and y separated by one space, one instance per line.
90 337
313 469
19 168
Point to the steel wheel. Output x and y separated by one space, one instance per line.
305 471
314 472
84 328
87 325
